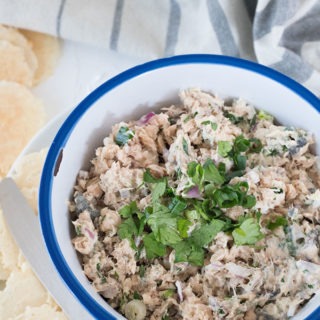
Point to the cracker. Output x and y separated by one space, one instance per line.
44 312
14 66
27 176
47 51
13 36
22 289
21 115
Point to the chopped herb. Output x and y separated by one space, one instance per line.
177 205
206 233
234 195
153 247
213 125
142 271
127 229
310 286
149 178
221 311
195 172
241 144
98 267
185 251
253 122
233 118
277 190
255 145
183 227
158 190
103 280
78 231
168 293
278 222
262 115
224 147
128 210
185 146
282 279
165 318
137 296
190 250
187 118
247 233
211 173
273 152
123 136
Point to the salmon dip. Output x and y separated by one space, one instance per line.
207 210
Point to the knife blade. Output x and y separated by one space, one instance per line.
25 228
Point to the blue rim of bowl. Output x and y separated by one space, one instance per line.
67 127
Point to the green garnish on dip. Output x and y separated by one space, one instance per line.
123 136
189 222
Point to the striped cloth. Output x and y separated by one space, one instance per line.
282 34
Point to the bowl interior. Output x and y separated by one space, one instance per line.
132 96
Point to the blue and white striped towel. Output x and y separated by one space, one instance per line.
282 34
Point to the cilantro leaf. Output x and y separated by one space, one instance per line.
123 136
249 201
233 118
164 225
149 178
186 252
255 145
278 222
211 172
183 227
177 205
185 146
226 197
224 147
159 190
240 162
248 232
262 115
137 296
153 247
240 144
195 172
167 234
213 125
127 229
128 210
206 233
168 293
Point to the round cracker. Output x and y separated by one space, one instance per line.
42 312
21 115
47 51
16 38
14 66
27 176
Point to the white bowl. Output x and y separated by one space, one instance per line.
130 95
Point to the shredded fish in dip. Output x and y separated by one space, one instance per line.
206 210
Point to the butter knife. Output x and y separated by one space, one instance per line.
25 229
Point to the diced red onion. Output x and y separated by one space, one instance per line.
90 233
145 119
194 193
